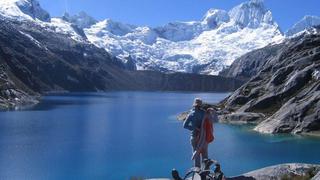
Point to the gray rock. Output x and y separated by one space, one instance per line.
251 63
285 171
278 172
285 89
242 118
11 93
297 115
316 177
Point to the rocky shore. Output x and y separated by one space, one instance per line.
11 95
292 171
283 95
285 172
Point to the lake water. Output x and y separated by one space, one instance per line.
119 135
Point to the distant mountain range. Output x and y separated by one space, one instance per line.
205 47
37 57
40 54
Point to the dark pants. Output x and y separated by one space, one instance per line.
201 156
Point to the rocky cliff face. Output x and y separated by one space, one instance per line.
285 93
251 63
11 93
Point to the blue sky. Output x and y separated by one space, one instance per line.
158 12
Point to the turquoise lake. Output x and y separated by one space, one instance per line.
119 135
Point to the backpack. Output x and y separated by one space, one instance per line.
208 126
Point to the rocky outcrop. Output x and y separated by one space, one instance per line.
242 118
11 93
316 177
286 89
285 172
278 172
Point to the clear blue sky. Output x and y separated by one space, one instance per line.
158 12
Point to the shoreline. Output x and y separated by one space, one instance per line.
277 172
32 100
13 105
252 125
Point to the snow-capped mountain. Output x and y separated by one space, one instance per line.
23 9
304 24
30 11
205 46
82 19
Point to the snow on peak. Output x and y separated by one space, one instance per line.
82 19
180 31
304 24
113 27
23 9
215 17
205 46
251 14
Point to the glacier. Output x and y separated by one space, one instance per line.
24 9
206 46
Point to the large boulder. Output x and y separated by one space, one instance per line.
285 171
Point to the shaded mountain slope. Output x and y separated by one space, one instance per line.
45 61
251 63
11 93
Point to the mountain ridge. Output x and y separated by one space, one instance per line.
34 59
305 23
205 47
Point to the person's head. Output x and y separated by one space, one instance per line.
210 110
197 102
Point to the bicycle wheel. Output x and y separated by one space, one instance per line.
211 177
192 175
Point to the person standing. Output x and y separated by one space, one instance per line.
193 123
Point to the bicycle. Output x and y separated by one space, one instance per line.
204 173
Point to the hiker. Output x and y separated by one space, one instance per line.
193 123
200 123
